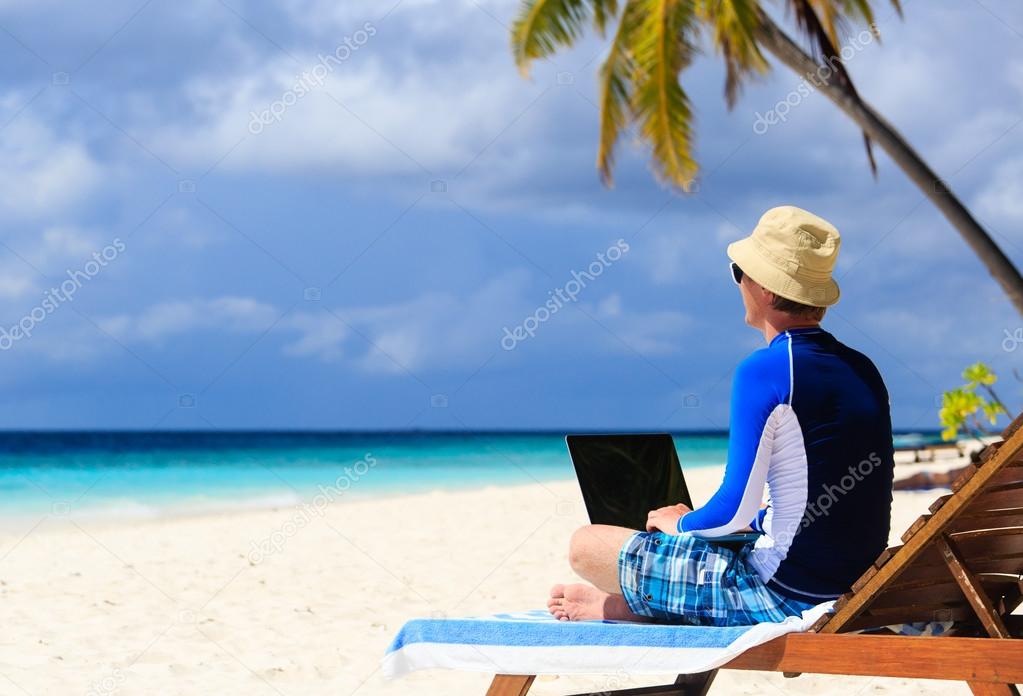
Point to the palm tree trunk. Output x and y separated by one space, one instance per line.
771 37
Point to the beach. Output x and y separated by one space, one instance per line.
304 599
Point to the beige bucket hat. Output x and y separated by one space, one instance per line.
792 253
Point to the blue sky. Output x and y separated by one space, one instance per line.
354 261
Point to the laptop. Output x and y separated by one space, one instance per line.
625 476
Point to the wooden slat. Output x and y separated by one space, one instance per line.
912 614
961 613
510 685
841 601
917 525
990 539
1015 425
926 575
907 583
914 604
886 556
1008 474
936 505
987 519
999 497
864 579
963 477
820 623
988 452
971 587
986 551
981 544
696 684
944 592
988 660
919 542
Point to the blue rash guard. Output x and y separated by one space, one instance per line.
810 419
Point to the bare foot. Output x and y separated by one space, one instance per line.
556 602
579 602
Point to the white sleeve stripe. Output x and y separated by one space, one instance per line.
792 372
753 492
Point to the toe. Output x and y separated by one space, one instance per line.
575 591
557 591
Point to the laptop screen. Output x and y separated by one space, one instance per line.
623 477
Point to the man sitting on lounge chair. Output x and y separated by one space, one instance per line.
810 421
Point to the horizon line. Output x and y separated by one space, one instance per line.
397 431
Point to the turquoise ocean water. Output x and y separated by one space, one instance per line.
142 474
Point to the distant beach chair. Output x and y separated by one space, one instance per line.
929 453
960 566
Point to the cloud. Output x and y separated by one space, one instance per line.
15 280
432 94
434 330
430 331
1002 196
444 331
675 255
656 332
31 260
40 172
170 319
392 105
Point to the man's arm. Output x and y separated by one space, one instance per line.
759 387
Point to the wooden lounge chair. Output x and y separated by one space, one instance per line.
961 562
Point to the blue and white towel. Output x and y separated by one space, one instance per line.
536 643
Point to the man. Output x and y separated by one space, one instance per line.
809 421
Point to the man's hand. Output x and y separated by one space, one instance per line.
665 519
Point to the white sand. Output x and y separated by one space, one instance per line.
175 606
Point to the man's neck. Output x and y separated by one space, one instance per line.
773 328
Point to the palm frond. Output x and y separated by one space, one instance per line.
616 75
825 47
861 11
661 48
603 12
829 16
544 26
733 25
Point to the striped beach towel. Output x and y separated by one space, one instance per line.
535 643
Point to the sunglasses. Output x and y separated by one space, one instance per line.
736 273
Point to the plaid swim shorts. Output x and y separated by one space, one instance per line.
685 579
